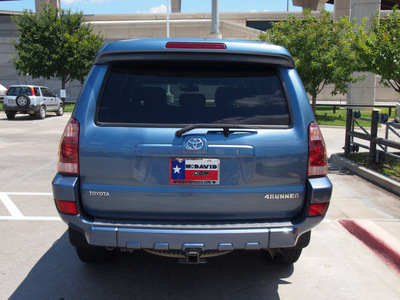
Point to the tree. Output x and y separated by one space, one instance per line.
323 50
379 48
54 43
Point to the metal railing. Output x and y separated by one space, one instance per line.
378 147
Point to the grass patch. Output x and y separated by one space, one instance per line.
69 107
325 115
390 167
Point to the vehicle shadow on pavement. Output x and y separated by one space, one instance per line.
240 275
26 118
338 170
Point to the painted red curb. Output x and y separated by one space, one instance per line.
387 252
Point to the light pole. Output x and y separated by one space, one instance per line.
167 18
215 20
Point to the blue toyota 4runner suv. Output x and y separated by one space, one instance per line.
192 148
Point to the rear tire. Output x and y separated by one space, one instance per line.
94 254
41 114
11 115
283 256
60 110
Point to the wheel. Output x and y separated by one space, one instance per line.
283 256
11 115
22 101
94 254
41 114
60 110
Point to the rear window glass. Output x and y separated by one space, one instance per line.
19 90
188 93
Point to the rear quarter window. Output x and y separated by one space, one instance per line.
179 93
18 90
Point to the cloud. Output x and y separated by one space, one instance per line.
158 9
162 9
253 10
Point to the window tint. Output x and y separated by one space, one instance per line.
186 93
46 92
51 94
19 90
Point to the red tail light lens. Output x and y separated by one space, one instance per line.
68 154
317 158
317 209
67 207
33 91
7 91
180 45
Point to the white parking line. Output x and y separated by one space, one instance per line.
16 214
12 208
29 194
29 218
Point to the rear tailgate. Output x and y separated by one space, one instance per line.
242 159
137 174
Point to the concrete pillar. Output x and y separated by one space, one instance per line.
175 6
54 3
341 9
363 93
311 4
364 8
215 20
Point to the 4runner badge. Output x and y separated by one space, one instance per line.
282 196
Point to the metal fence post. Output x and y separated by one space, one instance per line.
349 117
374 133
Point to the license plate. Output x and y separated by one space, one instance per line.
11 102
194 171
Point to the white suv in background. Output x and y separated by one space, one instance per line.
397 113
32 100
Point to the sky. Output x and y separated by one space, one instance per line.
156 6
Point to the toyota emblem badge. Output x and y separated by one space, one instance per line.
194 144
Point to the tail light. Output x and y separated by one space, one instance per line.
33 91
68 154
7 91
67 207
317 158
317 209
317 165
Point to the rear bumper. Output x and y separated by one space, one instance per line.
161 237
225 237
30 109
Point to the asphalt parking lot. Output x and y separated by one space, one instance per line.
37 261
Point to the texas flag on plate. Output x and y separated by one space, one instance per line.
177 169
193 171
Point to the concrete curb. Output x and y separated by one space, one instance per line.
384 245
383 181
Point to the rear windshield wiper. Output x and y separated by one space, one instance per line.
185 129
